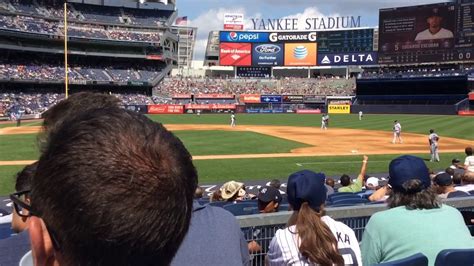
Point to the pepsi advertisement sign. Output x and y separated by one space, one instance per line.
270 99
267 54
243 36
345 59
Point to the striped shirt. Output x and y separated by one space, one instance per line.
284 248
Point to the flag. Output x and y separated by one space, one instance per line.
181 21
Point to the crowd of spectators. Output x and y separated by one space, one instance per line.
416 72
89 13
37 103
49 72
29 103
43 26
301 86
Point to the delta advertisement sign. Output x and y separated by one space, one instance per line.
300 54
345 59
235 54
267 54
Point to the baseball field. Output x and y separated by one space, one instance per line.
265 146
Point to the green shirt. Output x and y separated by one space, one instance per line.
354 187
398 233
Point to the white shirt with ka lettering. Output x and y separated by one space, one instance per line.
284 245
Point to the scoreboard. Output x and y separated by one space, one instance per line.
428 33
360 40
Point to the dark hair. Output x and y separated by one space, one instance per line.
317 243
216 196
414 197
431 130
275 183
23 178
449 171
115 188
345 180
468 151
76 104
457 178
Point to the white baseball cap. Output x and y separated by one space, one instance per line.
374 181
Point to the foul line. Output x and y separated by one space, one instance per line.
301 164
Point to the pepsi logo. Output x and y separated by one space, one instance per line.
233 35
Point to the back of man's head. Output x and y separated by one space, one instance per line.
330 181
275 183
468 151
23 178
345 180
114 188
457 178
76 104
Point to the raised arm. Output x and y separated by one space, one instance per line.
363 170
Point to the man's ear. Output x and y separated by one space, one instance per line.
41 244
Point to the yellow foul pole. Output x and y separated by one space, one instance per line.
66 81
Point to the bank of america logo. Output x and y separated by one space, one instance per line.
326 60
300 52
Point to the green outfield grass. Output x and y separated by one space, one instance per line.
445 125
24 147
216 142
219 171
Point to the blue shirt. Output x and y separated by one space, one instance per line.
214 238
12 249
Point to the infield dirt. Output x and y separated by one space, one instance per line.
334 141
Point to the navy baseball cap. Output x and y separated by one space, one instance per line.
267 194
405 168
306 186
443 179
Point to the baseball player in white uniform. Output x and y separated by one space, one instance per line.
433 139
397 131
324 122
360 115
232 120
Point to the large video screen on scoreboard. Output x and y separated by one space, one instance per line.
427 33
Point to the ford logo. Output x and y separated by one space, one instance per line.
267 49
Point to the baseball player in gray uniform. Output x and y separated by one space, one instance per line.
433 139
397 131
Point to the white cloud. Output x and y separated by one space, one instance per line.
310 12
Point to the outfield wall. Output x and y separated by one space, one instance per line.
405 109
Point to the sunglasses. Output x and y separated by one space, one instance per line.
20 204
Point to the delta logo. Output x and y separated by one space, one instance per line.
369 58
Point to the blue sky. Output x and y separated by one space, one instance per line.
208 15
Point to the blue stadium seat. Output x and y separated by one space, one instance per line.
458 257
458 194
242 208
218 203
284 207
203 201
417 259
349 201
6 230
